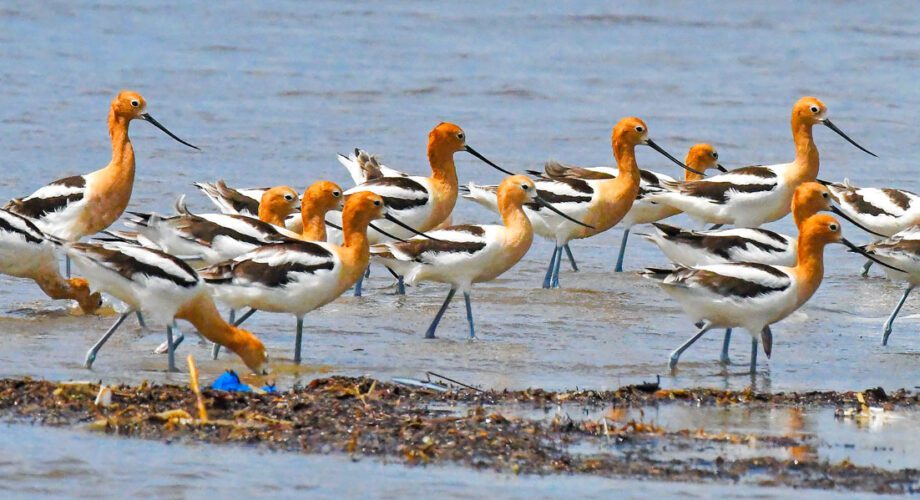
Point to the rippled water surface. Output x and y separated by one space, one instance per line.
272 91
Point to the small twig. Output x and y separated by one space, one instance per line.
461 384
193 381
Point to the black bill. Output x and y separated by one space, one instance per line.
147 117
868 255
847 217
650 143
833 127
486 160
544 203
721 168
407 227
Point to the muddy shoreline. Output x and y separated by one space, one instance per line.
362 417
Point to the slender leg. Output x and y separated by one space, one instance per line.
568 253
164 347
91 354
555 283
245 316
549 271
437 319
298 340
171 352
67 266
358 286
367 272
675 356
865 268
469 314
400 283
215 349
619 266
725 343
894 314
140 320
753 355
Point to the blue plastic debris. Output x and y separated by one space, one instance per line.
230 381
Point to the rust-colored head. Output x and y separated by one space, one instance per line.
79 290
251 350
810 198
446 138
363 207
516 191
821 229
129 104
278 202
322 197
630 131
809 110
702 157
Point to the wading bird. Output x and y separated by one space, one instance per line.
467 254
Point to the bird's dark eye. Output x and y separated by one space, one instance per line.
336 194
135 103
288 197
833 227
525 187
715 155
377 203
826 195
461 136
640 129
815 109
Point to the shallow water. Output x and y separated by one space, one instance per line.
56 461
271 93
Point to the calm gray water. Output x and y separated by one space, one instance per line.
272 92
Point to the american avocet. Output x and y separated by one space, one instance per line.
750 295
26 252
298 277
467 254
751 196
77 206
319 199
164 288
903 251
243 201
213 238
600 203
884 211
420 202
701 157
689 248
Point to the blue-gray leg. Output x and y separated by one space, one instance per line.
400 286
469 314
245 316
547 280
894 314
358 286
367 272
619 267
568 253
753 355
675 355
429 334
298 340
865 268
171 348
555 283
725 343
215 349
67 266
164 347
94 350
140 319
